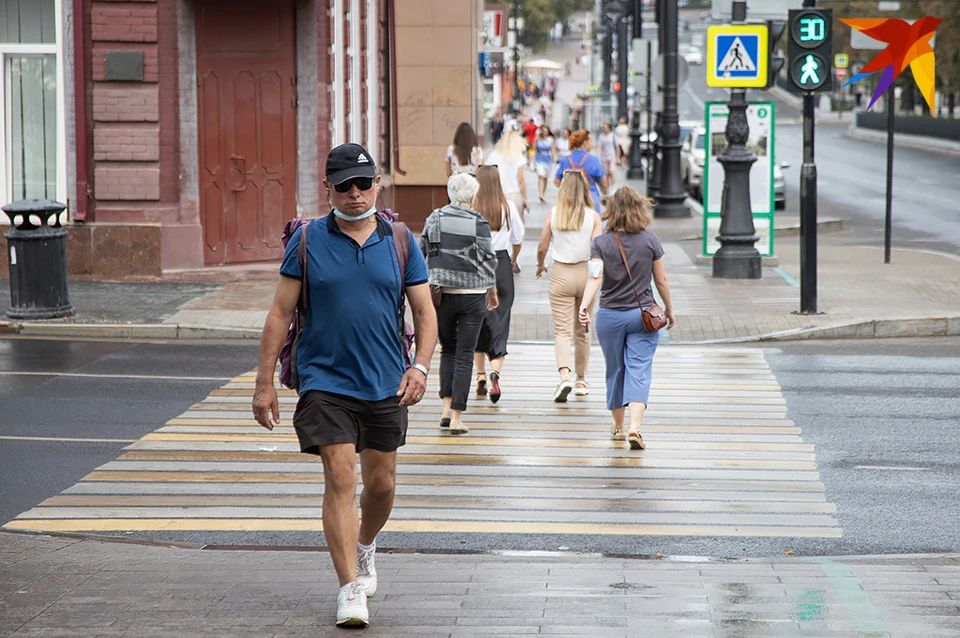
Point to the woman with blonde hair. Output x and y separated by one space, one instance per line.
570 227
509 156
622 262
506 239
581 161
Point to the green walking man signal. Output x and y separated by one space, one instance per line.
810 49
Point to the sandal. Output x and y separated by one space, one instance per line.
481 385
563 390
636 441
582 388
445 421
617 433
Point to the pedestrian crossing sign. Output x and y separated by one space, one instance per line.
737 56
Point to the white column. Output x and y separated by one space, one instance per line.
373 82
338 88
356 82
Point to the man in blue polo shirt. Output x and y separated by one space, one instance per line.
354 385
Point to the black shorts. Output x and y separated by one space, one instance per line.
324 418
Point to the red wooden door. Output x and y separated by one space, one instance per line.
246 101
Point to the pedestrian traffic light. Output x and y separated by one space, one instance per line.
810 48
616 87
775 63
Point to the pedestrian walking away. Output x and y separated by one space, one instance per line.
569 228
544 159
506 228
608 152
622 262
580 160
530 131
465 154
508 157
354 385
563 144
457 243
623 141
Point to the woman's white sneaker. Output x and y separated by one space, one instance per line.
367 570
352 607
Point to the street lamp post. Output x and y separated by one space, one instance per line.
623 75
737 257
671 195
635 161
516 25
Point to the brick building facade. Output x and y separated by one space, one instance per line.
189 131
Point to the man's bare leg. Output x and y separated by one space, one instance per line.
340 523
379 470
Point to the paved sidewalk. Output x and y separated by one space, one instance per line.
70 587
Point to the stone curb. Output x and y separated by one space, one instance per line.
904 140
126 330
946 326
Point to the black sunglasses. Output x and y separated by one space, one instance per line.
363 183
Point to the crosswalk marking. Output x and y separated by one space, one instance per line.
723 459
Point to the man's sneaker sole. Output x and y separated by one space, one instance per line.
356 621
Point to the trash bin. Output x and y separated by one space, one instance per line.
37 254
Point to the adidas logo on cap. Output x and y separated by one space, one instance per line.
362 159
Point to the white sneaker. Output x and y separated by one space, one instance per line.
352 607
366 570
563 391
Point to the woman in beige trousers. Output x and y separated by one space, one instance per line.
571 227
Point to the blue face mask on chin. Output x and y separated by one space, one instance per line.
351 218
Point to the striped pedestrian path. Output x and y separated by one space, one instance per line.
722 459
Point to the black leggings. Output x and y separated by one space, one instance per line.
459 318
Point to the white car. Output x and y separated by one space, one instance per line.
692 156
693 55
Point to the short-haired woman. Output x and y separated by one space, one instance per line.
628 348
563 144
465 154
462 266
608 152
571 226
506 229
580 160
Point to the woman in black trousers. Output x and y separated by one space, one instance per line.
462 265
506 230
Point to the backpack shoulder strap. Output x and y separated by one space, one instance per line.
302 258
582 159
401 242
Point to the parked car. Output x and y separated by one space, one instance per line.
693 55
779 186
692 156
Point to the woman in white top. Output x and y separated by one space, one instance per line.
563 144
608 152
506 234
623 141
570 227
465 154
510 157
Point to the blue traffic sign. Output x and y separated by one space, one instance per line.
737 56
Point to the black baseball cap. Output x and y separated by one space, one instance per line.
348 161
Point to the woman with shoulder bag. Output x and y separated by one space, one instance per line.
622 262
570 227
462 265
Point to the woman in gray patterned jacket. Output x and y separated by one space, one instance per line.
462 265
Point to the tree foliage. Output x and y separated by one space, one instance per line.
541 15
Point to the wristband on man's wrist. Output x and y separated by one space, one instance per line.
421 368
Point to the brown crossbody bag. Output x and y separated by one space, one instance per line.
653 316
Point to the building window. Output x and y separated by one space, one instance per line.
33 164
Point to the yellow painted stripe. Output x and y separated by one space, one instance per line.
500 441
445 501
416 526
142 476
505 460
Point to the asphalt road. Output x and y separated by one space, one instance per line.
70 406
883 415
